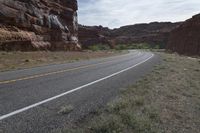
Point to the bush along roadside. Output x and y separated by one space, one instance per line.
136 46
99 47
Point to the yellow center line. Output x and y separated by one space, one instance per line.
51 73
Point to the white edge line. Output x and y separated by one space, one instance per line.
68 92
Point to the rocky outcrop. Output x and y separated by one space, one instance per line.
93 35
38 24
186 38
153 33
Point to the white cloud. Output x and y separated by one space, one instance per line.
116 13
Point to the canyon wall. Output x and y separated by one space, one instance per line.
186 38
93 35
38 25
152 33
155 33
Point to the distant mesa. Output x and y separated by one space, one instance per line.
155 33
38 25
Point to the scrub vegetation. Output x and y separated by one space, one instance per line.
99 47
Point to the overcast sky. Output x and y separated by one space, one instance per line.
116 13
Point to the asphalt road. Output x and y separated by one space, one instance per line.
30 99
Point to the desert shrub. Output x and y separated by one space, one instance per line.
132 46
98 47
157 47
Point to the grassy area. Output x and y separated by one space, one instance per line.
136 46
99 47
166 100
19 60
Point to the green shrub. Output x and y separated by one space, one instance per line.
132 46
156 47
98 47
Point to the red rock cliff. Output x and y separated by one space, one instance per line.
153 33
38 24
186 38
93 35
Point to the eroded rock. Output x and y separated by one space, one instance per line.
38 24
93 35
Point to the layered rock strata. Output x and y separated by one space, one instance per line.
38 25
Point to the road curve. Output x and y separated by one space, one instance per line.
30 99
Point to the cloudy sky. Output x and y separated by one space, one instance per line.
116 13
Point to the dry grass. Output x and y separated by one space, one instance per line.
19 60
167 100
66 109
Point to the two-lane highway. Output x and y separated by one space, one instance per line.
30 99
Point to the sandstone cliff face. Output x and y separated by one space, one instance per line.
93 35
186 38
38 24
152 33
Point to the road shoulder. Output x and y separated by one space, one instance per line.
166 100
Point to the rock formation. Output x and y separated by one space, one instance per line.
93 35
38 25
153 33
186 38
